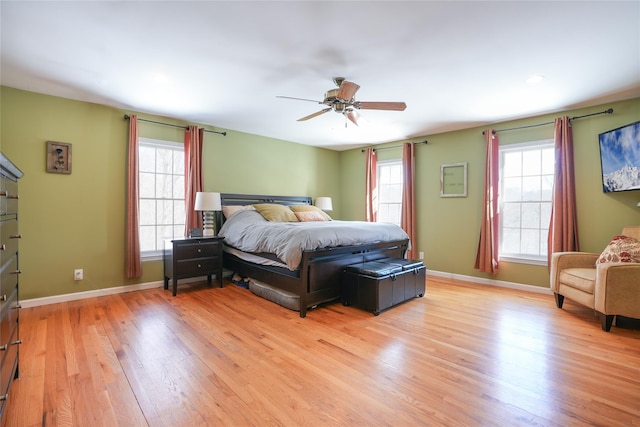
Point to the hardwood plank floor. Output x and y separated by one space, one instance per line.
464 355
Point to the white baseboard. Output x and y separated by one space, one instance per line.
34 302
491 282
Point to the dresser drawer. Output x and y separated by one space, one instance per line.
9 238
9 359
8 197
197 249
9 320
8 278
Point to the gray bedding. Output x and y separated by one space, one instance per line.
248 231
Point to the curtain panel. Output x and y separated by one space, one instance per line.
133 261
371 214
487 256
193 138
563 228
408 213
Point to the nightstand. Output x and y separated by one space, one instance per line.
192 257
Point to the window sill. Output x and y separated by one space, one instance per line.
523 260
151 257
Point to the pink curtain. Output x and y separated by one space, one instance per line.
563 228
193 181
133 262
371 185
487 256
408 215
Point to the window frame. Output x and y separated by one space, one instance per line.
156 254
388 163
522 258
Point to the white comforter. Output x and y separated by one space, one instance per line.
248 231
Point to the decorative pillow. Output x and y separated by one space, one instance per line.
621 249
310 208
275 212
306 216
229 210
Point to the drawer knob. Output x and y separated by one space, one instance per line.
16 342
16 272
3 298
16 236
2 247
12 196
4 397
3 194
199 250
199 266
3 347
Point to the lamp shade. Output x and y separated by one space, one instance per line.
207 201
324 203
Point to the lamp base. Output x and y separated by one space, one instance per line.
208 226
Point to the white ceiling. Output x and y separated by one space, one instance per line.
457 64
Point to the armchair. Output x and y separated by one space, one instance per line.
611 288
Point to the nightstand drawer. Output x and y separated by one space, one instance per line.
196 250
197 267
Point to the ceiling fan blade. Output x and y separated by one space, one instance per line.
352 115
347 90
395 106
316 114
299 99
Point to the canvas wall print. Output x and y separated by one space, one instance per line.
620 157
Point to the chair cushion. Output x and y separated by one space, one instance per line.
621 249
583 279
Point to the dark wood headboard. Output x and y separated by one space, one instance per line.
250 199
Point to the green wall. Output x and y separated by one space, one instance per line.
448 228
77 221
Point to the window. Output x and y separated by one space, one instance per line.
526 183
390 191
162 213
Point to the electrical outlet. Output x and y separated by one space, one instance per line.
421 255
78 274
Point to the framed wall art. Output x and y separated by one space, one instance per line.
453 180
58 157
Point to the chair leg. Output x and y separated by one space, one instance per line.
606 320
559 299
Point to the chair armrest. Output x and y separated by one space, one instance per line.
617 289
564 260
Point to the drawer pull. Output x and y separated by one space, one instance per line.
18 305
3 298
199 266
16 342
3 347
2 247
16 272
3 194
12 196
199 250
16 236
4 397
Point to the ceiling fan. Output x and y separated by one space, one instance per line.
342 101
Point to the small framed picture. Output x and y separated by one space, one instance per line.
453 180
58 157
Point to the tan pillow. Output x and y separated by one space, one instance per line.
310 208
306 216
621 249
275 212
229 210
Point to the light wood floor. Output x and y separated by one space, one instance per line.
464 355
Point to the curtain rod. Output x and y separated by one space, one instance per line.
126 116
608 111
395 146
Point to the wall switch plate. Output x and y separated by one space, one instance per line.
421 255
78 274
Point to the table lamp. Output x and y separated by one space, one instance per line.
208 202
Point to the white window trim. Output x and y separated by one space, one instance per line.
391 162
157 255
518 258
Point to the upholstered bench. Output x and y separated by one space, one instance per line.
384 283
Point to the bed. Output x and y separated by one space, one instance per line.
316 278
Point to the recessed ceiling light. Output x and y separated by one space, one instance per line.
535 79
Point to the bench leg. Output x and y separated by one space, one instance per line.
559 299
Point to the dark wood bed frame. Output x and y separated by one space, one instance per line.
318 279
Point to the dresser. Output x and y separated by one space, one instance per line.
192 257
9 278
